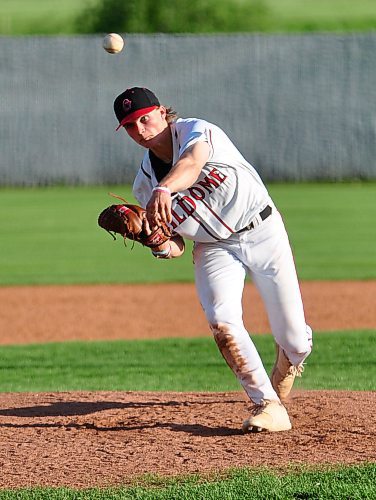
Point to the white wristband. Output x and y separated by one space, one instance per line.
162 189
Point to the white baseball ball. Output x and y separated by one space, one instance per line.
113 43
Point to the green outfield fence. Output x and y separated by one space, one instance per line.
299 107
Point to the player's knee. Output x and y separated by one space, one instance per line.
219 316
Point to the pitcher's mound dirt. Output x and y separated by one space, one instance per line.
106 438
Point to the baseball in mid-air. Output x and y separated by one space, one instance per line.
113 43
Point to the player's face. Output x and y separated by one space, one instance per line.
147 129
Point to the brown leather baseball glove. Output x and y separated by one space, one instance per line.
130 222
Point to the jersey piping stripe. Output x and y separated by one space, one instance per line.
217 216
211 142
144 171
200 223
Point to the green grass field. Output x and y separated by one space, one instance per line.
50 236
323 15
341 360
347 483
22 17
53 16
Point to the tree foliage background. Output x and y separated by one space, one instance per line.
179 16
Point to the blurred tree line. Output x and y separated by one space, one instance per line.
174 16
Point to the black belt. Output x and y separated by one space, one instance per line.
264 214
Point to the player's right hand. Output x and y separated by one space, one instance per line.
158 209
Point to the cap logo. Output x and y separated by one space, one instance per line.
127 104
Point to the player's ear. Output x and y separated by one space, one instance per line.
163 111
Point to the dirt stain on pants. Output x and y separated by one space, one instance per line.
231 353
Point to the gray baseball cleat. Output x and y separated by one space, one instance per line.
270 416
283 374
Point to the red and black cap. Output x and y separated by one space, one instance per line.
133 103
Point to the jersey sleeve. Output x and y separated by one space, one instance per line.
192 131
142 185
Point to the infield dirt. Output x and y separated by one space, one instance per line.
83 439
56 314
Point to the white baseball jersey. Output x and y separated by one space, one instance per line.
225 198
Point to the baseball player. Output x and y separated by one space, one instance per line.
193 178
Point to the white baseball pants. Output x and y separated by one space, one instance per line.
264 253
